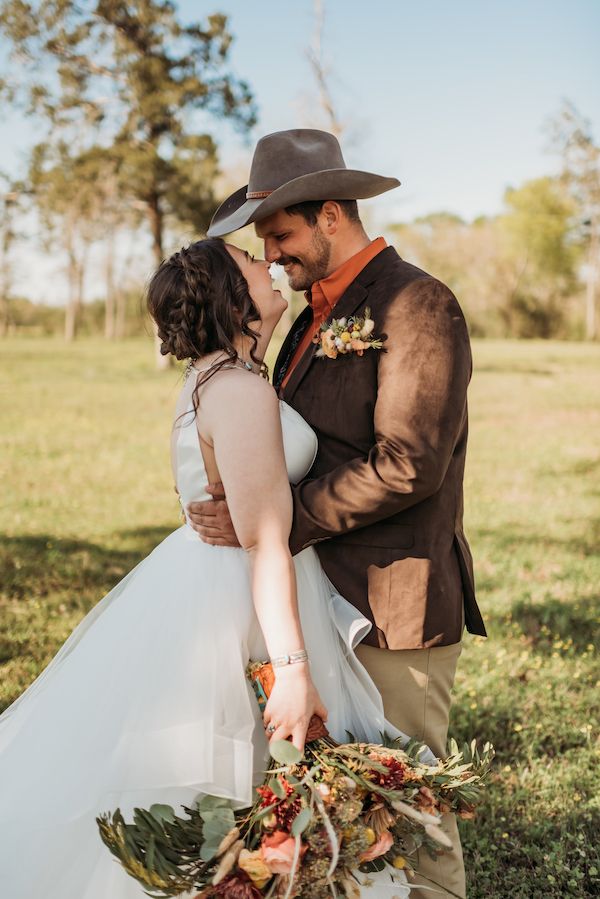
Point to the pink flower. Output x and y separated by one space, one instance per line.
379 847
278 852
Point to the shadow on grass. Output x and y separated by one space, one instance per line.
36 567
510 855
47 585
543 622
516 538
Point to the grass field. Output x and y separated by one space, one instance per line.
87 491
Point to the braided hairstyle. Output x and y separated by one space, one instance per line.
200 302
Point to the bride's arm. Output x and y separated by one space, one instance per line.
240 417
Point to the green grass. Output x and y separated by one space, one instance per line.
87 492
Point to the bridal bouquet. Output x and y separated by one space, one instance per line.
317 820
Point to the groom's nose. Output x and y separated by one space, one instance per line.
272 251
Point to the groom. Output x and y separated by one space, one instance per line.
383 502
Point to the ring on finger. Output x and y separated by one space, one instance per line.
271 728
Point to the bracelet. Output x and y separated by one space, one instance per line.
292 659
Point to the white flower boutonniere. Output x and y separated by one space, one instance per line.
347 335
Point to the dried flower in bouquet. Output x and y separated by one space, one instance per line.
319 820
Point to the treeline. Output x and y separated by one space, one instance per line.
122 95
533 270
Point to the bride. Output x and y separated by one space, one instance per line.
147 701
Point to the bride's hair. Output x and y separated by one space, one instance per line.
200 302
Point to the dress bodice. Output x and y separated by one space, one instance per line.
299 444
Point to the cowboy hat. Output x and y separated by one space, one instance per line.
291 167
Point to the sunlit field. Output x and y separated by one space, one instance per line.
87 491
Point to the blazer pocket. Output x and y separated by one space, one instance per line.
385 536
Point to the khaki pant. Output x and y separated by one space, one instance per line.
415 685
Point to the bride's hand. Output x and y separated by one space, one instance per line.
293 702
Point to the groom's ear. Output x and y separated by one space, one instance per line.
330 216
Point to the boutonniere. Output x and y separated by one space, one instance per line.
347 335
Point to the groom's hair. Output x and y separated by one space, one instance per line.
310 209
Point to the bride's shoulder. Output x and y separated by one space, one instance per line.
236 389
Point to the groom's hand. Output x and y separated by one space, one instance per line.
211 519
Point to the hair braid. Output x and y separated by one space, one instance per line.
200 302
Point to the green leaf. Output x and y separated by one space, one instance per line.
301 822
162 812
206 803
217 824
150 852
277 787
285 752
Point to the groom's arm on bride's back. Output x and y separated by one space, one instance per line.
420 414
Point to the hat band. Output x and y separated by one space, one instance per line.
258 194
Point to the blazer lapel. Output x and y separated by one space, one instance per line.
345 306
348 303
288 347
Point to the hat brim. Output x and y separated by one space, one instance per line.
332 184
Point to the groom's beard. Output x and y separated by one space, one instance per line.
310 268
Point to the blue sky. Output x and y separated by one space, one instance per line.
450 97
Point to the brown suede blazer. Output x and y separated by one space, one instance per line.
383 501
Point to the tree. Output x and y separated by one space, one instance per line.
321 72
572 138
467 258
9 204
145 82
65 189
538 227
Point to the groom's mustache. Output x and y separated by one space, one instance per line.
287 260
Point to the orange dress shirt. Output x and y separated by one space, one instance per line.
325 293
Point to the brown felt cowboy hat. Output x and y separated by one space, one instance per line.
291 167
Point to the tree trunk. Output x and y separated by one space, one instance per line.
156 220
5 270
72 308
110 304
590 288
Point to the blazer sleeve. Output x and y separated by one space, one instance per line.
419 414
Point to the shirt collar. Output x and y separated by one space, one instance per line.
324 294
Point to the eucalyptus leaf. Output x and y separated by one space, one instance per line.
204 802
285 752
162 812
218 821
301 821
277 788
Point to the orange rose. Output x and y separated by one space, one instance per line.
278 852
379 847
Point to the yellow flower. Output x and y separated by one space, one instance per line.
399 862
345 336
370 835
255 867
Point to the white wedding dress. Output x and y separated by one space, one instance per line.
148 701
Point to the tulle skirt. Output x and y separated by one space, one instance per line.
148 701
